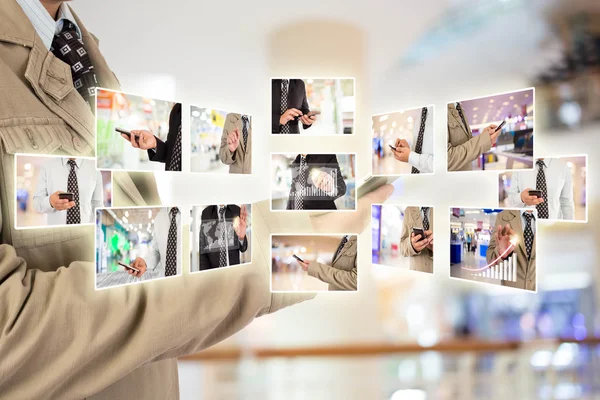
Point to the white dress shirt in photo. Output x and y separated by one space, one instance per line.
157 255
424 161
53 177
559 184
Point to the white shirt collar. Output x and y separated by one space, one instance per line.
45 26
65 161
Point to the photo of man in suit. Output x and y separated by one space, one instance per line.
222 235
76 176
316 182
463 147
416 246
342 273
169 152
515 226
552 177
236 143
289 106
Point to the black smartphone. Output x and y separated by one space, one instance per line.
127 133
419 231
313 113
393 148
536 193
65 196
122 264
297 258
500 126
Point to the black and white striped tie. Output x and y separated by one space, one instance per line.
285 128
300 184
73 213
419 145
540 184
171 258
340 247
222 238
175 161
245 122
425 218
528 233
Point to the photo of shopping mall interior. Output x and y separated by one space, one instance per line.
514 146
386 129
27 179
128 112
334 98
206 127
286 273
577 166
122 235
403 336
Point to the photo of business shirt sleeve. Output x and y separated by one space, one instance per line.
423 161
53 177
157 253
559 186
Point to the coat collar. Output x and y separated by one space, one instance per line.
16 27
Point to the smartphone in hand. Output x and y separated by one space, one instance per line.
127 133
66 196
536 193
297 258
122 264
419 231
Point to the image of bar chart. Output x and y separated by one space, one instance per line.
505 270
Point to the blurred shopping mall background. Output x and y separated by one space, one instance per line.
27 177
404 335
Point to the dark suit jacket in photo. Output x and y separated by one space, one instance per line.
296 99
321 161
164 150
210 259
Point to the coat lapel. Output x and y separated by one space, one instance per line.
453 113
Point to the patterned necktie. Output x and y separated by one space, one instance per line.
340 247
73 213
175 161
419 146
68 47
284 103
462 116
540 184
300 185
425 218
171 261
223 238
245 130
528 233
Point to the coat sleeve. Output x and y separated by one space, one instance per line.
226 156
160 153
463 154
338 277
76 340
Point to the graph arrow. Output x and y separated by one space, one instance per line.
513 243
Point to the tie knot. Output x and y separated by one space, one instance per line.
68 26
425 209
528 216
221 210
174 211
244 118
540 163
72 163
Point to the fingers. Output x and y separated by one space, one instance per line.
403 143
428 233
132 140
294 112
